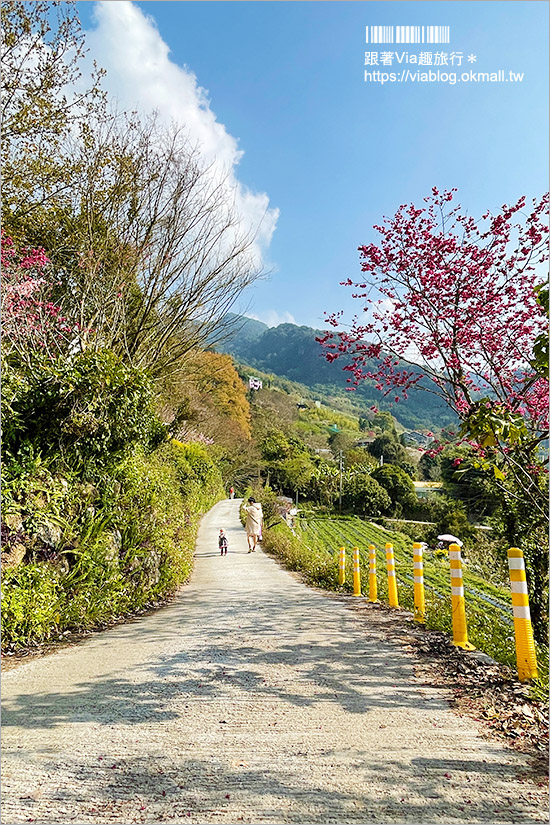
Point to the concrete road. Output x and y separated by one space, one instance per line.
251 699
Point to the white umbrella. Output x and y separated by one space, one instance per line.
452 539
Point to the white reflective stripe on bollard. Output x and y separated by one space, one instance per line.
521 613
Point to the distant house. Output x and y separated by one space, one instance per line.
416 437
365 441
426 489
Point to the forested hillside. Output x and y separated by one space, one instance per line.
291 351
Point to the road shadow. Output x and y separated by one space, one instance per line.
340 665
152 790
295 649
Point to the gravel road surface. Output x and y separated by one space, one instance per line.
253 699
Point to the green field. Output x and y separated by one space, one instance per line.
330 533
488 606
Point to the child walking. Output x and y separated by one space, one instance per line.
222 543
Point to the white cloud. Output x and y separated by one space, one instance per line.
386 306
412 353
142 76
272 318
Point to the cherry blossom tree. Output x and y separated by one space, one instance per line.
30 322
451 305
450 308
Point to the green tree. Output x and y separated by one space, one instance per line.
275 446
397 484
388 448
362 494
385 421
148 250
506 479
42 52
340 441
359 456
292 474
324 485
474 486
453 519
429 467
88 409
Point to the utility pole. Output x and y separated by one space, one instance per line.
341 466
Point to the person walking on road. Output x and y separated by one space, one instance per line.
254 521
231 493
222 543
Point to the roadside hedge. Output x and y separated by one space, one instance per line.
94 553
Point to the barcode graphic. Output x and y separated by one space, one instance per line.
380 34
408 34
437 34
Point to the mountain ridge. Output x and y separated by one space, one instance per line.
290 351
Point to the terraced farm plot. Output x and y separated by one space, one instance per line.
488 606
352 531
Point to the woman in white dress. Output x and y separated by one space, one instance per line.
254 521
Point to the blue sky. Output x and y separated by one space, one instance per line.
326 154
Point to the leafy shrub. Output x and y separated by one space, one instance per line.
398 485
133 546
429 467
454 520
429 509
276 445
88 408
388 446
448 516
291 474
488 558
196 470
362 494
316 566
32 602
416 532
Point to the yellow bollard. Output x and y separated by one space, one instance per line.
356 573
392 584
342 566
418 576
525 646
460 631
373 589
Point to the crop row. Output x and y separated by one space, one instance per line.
330 534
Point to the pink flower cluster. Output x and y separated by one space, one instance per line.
29 320
450 306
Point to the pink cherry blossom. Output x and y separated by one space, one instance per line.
449 306
29 320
